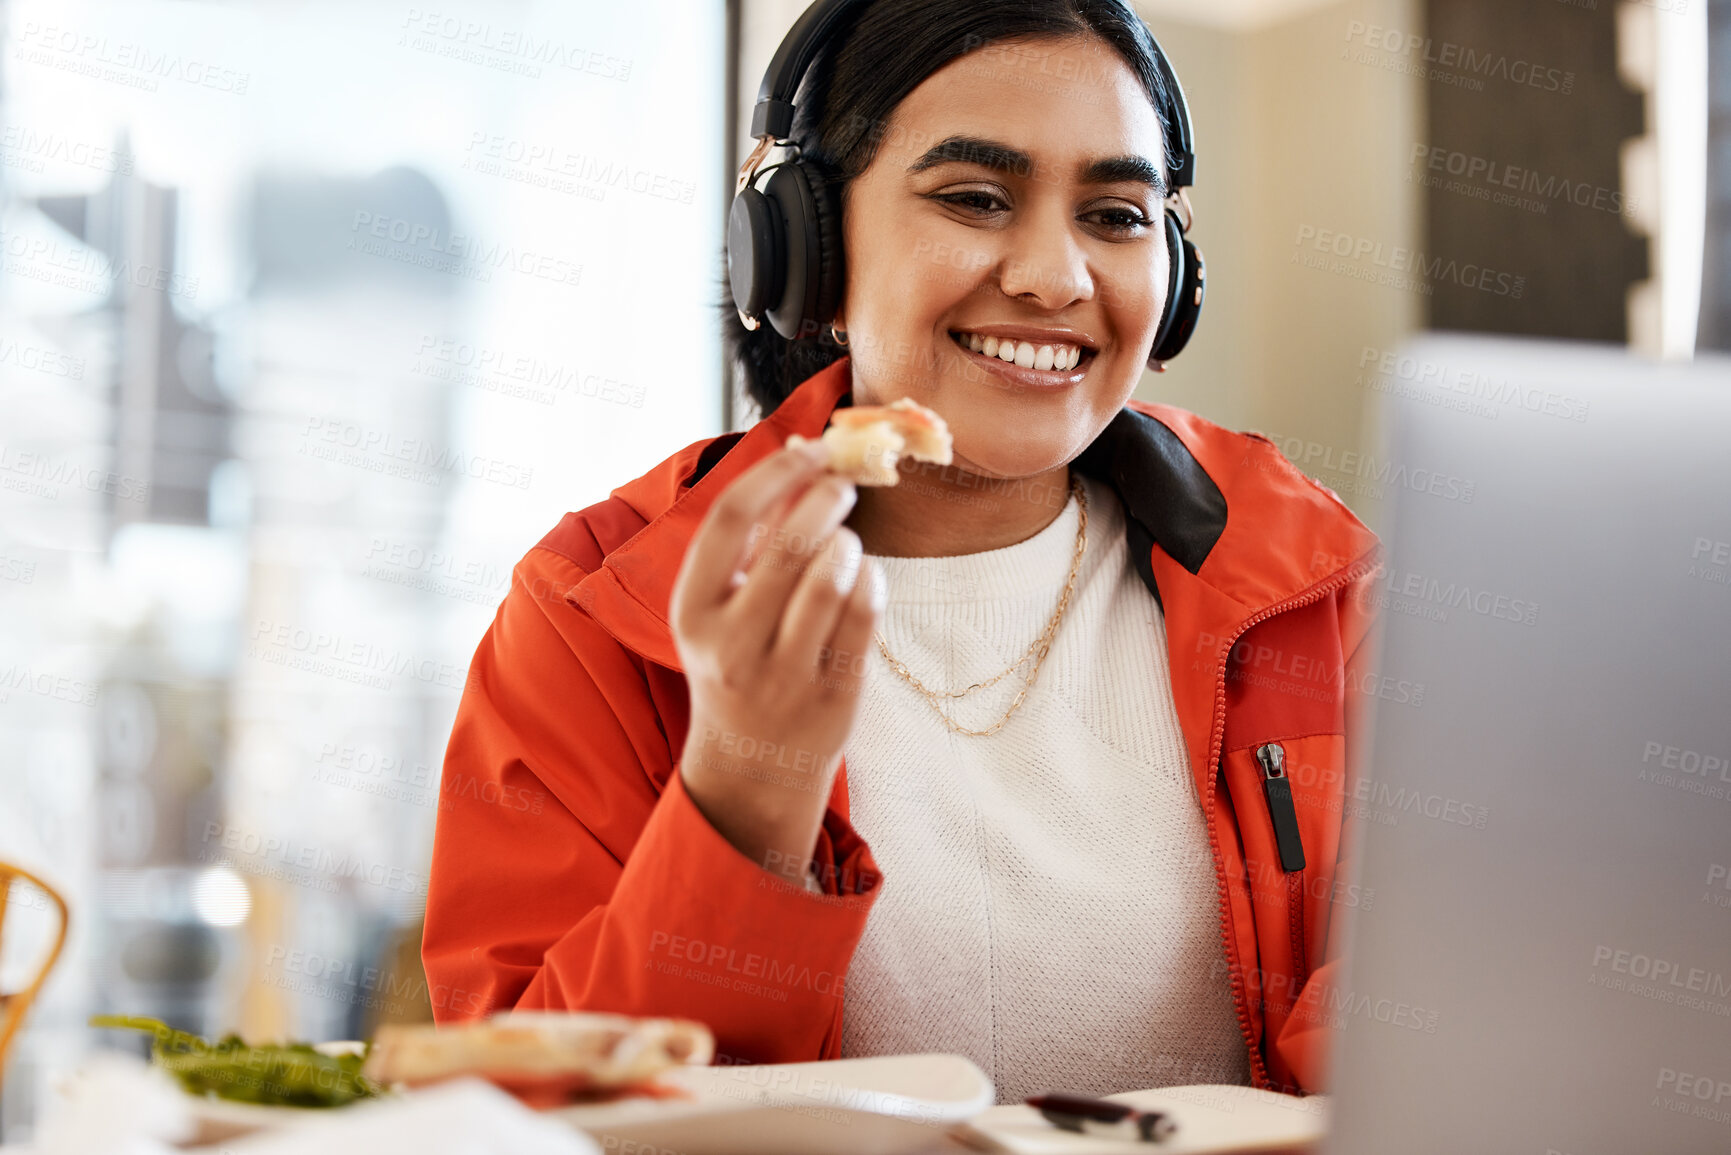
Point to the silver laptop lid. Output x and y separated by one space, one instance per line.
1546 965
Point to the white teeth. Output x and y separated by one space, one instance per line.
1024 353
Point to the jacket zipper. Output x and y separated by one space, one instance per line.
1278 791
1258 1069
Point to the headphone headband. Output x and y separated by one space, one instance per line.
772 117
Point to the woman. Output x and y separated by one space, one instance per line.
1042 751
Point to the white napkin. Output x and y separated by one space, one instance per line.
117 1104
114 1104
456 1117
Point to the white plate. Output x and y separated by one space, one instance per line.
883 1105
1212 1120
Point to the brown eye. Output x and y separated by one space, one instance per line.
1124 220
976 201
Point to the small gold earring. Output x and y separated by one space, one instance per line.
839 338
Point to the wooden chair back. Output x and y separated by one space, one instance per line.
15 1004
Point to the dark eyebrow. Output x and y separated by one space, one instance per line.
1003 158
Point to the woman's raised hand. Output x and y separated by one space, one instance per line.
772 612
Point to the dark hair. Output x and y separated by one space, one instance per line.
854 84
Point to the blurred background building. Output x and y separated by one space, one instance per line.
315 316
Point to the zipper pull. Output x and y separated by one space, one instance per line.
1272 758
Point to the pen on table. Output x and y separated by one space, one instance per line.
1103 1117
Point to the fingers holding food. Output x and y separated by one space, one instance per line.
782 554
810 617
723 542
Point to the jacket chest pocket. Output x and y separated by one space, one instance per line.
1282 763
1288 796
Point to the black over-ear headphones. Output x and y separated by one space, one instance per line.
784 244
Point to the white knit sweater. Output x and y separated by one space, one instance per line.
1048 905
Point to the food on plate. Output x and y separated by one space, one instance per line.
544 1058
286 1075
866 441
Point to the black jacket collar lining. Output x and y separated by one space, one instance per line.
1168 497
712 453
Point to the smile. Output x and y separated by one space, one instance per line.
1026 363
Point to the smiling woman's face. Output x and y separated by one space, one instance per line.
950 232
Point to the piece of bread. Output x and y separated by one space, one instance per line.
544 1058
866 441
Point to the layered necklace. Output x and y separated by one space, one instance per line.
1036 652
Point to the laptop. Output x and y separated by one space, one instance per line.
1546 964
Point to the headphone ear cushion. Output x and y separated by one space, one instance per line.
1174 279
827 246
1186 281
810 281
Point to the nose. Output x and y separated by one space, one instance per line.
1044 263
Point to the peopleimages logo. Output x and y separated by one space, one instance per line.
322 862
1662 972
1496 176
1685 1092
1471 384
549 164
778 977
413 458
344 980
1378 473
84 269
1301 675
1692 771
33 150
134 65
432 247
486 367
507 49
1455 62
1400 261
1418 595
40 360
1718 891
40 475
59 687
338 655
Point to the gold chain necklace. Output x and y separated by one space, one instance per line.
1042 644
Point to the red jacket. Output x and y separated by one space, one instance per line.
571 870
